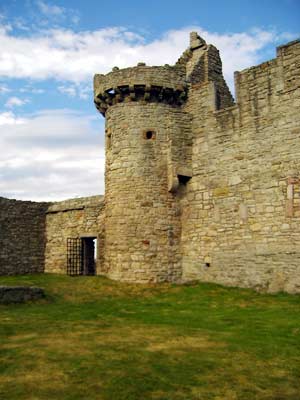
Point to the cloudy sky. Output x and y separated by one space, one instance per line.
51 137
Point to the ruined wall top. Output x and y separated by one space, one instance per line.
168 84
79 203
163 83
166 76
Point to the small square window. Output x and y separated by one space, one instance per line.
149 135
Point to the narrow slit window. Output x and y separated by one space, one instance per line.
108 140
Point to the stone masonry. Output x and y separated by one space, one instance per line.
33 236
22 236
240 211
74 218
198 186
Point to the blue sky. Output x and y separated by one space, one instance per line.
51 137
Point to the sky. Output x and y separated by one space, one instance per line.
51 136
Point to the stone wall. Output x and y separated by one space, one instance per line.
22 238
214 194
167 76
144 127
74 218
241 210
141 225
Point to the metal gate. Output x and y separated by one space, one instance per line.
74 256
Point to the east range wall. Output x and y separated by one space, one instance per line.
241 210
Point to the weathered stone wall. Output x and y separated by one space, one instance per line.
167 76
241 210
144 125
215 193
22 236
204 65
142 229
74 218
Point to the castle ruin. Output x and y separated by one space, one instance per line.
198 186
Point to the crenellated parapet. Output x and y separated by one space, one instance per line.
141 83
168 84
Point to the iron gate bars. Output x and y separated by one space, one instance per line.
74 256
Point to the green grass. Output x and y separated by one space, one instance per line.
96 339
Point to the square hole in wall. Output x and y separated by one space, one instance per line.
149 134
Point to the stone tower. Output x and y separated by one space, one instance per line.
142 108
148 157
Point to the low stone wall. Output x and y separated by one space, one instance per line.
20 294
74 218
22 238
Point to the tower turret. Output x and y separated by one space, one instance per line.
149 114
142 108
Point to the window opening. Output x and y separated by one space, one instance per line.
183 179
148 135
108 140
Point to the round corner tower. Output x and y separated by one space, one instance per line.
142 109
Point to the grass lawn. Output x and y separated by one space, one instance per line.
97 339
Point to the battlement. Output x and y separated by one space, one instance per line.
167 84
260 83
285 48
152 84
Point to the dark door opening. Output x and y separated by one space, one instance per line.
89 255
81 256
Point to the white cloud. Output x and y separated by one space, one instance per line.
69 90
32 90
85 92
20 23
15 102
80 90
75 56
49 13
75 19
51 155
8 118
48 9
4 89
